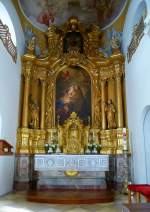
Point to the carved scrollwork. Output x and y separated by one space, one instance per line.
55 42
92 43
73 58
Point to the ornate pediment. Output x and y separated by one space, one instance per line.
73 40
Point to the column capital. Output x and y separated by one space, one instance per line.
107 73
42 74
119 70
27 69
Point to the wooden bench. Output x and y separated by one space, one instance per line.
138 190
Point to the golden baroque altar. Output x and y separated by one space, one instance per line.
73 117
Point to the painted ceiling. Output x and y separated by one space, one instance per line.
42 13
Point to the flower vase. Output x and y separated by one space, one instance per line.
46 146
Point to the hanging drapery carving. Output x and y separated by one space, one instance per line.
5 36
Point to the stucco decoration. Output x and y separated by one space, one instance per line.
5 36
137 35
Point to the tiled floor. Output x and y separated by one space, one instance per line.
16 202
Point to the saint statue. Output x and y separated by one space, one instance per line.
31 46
34 108
110 114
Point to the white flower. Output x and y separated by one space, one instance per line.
46 145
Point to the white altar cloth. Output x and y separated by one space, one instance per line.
64 162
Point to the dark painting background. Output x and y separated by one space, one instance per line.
73 94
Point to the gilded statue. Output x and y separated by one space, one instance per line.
115 42
34 109
110 114
31 46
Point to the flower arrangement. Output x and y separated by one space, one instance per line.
52 148
93 148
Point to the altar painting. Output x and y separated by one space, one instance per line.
73 94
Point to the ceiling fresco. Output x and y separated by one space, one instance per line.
42 13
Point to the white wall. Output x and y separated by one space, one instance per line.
146 131
137 89
9 92
6 179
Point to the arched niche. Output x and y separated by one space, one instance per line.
73 94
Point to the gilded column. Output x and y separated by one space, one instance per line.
43 88
26 72
103 101
111 89
35 88
120 121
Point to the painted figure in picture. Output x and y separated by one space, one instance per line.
43 13
74 95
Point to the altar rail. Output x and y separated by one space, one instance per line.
71 162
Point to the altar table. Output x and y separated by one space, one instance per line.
64 162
